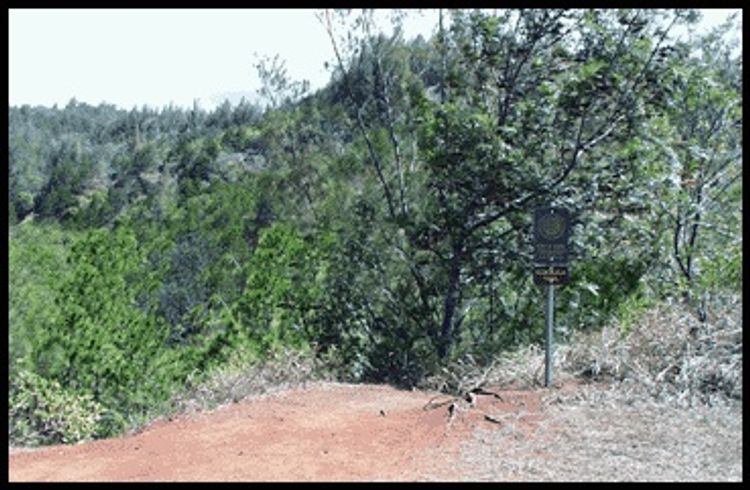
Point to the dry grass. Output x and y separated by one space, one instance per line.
239 379
668 356
662 402
612 443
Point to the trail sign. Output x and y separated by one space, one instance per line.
545 276
551 233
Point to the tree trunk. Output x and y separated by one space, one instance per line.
450 304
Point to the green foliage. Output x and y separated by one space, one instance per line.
199 252
43 412
239 138
630 311
283 290
36 265
101 344
724 271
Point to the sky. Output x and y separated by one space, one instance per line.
154 57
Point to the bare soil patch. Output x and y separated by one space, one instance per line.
324 432
340 432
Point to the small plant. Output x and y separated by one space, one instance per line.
632 309
43 412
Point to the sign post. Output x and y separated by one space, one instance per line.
548 344
551 233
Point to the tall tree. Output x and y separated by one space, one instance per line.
533 98
699 139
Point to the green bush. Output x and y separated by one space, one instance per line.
36 266
724 270
102 343
283 289
600 290
41 411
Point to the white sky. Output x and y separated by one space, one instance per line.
136 57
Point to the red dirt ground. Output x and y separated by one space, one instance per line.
326 432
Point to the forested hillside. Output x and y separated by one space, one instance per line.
381 224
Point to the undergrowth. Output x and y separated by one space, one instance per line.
666 354
243 375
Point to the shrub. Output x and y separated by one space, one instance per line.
283 289
36 265
43 412
102 343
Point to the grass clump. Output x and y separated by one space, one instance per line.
668 354
244 374
665 354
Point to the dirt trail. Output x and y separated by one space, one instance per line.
326 432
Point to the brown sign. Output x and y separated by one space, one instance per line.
555 276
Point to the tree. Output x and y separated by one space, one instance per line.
101 345
277 89
532 99
69 170
699 139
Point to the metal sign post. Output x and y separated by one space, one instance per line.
551 233
548 341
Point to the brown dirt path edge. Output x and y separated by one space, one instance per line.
325 432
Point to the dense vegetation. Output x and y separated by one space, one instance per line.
381 224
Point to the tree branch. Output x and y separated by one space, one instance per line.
360 124
676 245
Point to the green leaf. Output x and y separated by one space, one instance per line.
590 68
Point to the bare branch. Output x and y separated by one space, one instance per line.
360 123
676 245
